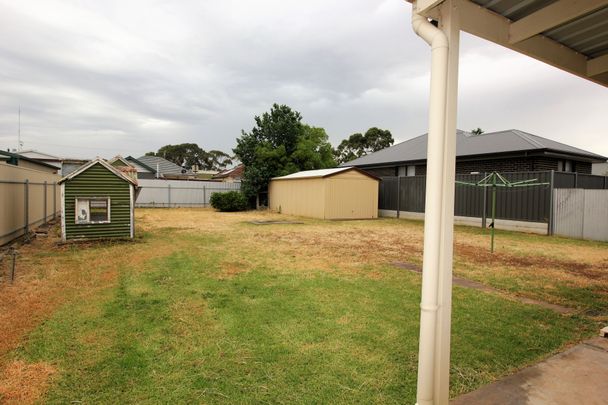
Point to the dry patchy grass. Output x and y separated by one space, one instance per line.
24 383
571 273
557 270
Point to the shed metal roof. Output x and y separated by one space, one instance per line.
467 144
322 173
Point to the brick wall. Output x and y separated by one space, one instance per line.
523 164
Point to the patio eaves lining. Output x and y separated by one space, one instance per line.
571 35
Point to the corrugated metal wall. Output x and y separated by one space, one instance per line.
351 195
581 213
303 197
21 209
97 181
180 193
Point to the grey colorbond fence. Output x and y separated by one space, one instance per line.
180 193
581 214
531 204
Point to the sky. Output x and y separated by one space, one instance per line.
100 78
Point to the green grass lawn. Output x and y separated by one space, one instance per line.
233 315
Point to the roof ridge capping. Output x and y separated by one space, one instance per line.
528 138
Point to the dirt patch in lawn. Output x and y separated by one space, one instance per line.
24 383
583 272
482 256
230 269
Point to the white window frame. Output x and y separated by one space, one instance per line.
88 221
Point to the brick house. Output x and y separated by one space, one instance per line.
504 151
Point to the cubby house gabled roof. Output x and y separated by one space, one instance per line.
105 164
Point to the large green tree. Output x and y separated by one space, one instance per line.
359 144
190 154
280 144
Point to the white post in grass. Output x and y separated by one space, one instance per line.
435 306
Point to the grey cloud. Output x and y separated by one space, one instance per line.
115 77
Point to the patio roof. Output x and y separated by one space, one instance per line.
571 35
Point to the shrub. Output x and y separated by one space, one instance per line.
229 201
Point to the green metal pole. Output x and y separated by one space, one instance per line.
493 209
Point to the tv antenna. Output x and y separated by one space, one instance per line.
19 143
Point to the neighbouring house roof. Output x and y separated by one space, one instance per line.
10 156
235 172
47 157
322 173
164 166
119 158
34 154
468 144
139 164
105 164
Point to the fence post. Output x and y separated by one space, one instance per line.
484 214
398 196
26 204
45 193
551 189
169 195
54 201
14 254
204 196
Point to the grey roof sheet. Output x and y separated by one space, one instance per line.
586 34
468 144
165 167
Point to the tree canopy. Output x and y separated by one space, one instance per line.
190 154
359 144
280 144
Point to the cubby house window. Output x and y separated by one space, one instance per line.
93 210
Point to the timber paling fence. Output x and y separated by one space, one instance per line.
180 193
529 204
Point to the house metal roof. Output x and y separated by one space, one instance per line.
164 166
236 171
467 144
4 155
321 173
140 165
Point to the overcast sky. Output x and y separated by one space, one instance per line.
107 77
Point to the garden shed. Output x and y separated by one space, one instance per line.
340 193
97 202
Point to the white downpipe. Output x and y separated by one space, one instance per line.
438 41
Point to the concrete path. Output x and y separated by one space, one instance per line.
577 376
482 287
